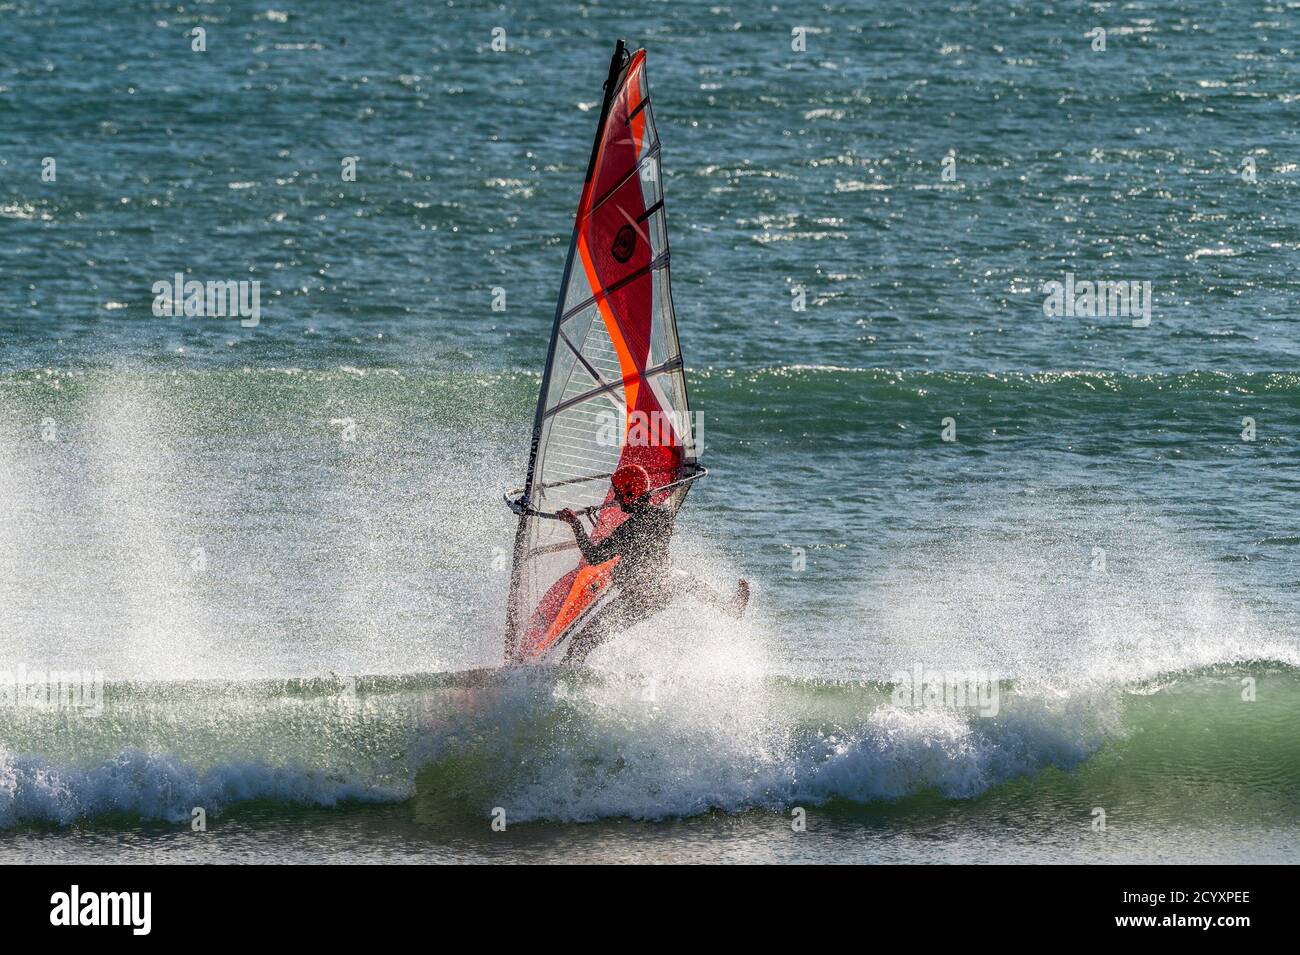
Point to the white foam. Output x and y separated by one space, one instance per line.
160 787
651 748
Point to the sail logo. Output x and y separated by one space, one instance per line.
947 689
74 908
624 244
651 429
1099 299
213 299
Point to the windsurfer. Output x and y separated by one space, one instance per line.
645 577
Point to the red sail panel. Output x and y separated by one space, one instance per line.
617 253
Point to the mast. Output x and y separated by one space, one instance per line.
617 66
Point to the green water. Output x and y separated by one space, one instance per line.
584 767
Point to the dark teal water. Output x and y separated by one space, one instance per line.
1098 523
821 169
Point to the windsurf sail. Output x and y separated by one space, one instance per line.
613 389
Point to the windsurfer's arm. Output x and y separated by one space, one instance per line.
592 553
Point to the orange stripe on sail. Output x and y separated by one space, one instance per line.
627 364
638 121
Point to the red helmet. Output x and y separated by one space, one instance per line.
630 482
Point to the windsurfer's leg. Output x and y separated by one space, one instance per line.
680 583
590 637
616 617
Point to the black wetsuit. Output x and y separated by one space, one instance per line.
643 573
641 543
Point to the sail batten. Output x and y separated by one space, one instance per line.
660 262
614 360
